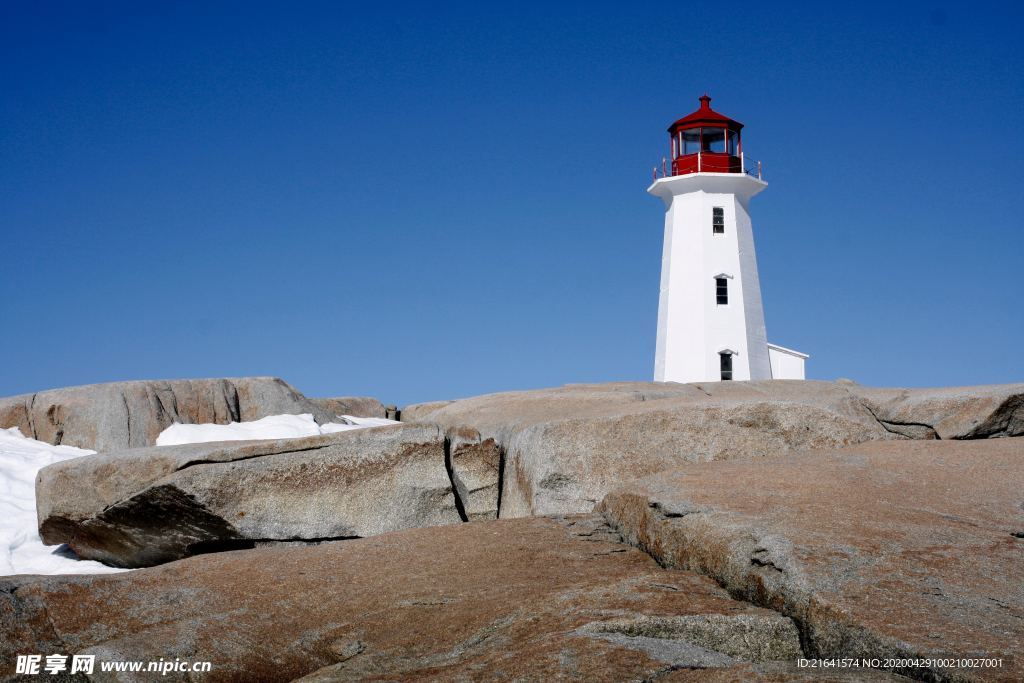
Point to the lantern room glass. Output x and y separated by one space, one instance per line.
706 139
732 142
713 140
691 141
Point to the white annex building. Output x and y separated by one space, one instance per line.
710 317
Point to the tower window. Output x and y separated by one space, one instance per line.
691 141
718 220
725 364
722 291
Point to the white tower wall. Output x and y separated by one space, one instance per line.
692 327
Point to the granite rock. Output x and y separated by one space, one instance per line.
532 599
896 549
563 449
146 506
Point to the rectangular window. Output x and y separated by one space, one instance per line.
722 290
718 220
725 363
691 141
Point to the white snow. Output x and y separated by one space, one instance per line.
273 427
21 550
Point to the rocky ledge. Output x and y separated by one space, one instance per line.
565 448
532 600
889 550
509 455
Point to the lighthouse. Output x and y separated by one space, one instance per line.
710 317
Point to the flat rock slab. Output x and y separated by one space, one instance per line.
889 549
120 415
565 448
532 599
146 506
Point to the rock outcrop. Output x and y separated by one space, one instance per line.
544 452
899 549
565 448
789 519
532 599
357 406
146 506
119 415
948 413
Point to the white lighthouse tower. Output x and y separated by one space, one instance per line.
710 317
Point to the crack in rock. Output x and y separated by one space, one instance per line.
904 428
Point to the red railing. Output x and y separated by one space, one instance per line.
709 162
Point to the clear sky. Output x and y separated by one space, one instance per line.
436 200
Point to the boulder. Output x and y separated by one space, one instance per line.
530 599
146 506
119 415
897 549
564 449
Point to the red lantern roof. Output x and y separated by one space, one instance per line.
705 116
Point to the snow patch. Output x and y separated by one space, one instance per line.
272 427
21 549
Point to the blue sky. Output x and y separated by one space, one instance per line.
437 200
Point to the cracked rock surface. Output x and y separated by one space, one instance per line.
565 448
532 599
474 466
951 413
887 549
146 506
119 415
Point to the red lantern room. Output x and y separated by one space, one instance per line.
706 142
